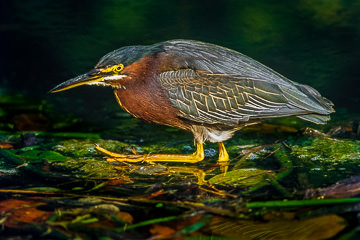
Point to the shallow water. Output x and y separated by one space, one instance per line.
47 140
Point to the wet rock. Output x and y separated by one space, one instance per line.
28 139
326 149
343 189
311 132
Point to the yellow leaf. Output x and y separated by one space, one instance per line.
316 228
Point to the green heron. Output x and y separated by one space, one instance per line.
200 87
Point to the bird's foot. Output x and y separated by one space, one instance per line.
118 157
223 160
186 158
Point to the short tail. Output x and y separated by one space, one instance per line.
322 116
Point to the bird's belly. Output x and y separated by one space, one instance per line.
212 134
150 108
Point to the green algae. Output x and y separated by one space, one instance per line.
86 147
326 149
85 160
84 168
41 155
243 177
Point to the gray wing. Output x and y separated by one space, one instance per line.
212 58
228 99
217 84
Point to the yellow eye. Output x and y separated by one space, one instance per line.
118 68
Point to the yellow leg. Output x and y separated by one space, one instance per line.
187 158
223 160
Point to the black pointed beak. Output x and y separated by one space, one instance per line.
92 76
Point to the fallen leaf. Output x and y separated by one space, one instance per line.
22 211
243 177
6 146
39 156
125 217
154 195
317 228
161 231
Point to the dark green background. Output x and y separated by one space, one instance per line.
46 42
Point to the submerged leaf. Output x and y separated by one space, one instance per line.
39 155
124 217
23 211
162 232
243 177
6 146
323 227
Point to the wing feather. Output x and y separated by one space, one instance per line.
218 98
213 84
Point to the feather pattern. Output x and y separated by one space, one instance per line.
215 85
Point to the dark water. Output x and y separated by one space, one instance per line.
43 43
313 42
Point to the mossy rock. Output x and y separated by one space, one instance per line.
87 168
326 149
86 148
